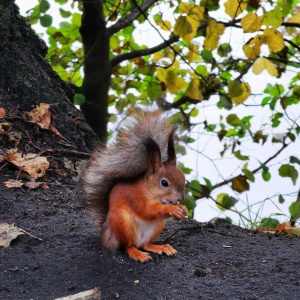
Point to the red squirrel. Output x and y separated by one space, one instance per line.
133 185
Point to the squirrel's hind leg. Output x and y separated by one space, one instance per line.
160 249
138 255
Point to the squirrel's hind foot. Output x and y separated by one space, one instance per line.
160 249
138 255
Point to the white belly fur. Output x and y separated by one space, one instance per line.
145 232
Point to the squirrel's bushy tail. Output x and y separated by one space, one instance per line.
125 157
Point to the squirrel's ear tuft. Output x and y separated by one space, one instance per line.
171 149
153 154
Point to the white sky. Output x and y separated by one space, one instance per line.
203 167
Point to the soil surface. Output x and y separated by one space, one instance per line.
215 260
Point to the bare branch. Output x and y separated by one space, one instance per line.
286 24
134 14
138 53
284 145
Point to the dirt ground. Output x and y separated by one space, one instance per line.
215 260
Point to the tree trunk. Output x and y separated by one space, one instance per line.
26 80
97 70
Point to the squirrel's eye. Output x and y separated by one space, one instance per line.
164 183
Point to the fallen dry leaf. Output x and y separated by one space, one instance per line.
286 228
33 164
41 115
32 185
2 112
8 232
93 294
11 183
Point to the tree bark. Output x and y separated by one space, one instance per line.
26 80
97 71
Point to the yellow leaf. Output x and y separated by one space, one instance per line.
193 10
264 64
251 22
186 26
240 184
193 90
163 24
252 48
157 56
183 27
273 18
274 39
295 18
162 75
194 25
244 96
193 55
213 32
234 7
173 83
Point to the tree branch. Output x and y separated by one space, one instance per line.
287 24
284 145
138 53
134 14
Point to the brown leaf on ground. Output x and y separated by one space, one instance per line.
8 232
2 113
33 164
11 183
286 228
93 294
32 185
41 115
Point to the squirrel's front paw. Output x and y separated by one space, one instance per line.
176 211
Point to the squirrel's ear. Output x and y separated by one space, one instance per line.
153 154
171 149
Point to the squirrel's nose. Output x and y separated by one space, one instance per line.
180 197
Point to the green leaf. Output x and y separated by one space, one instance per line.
268 223
234 89
287 170
225 102
154 90
195 188
202 71
249 174
208 183
46 20
44 6
266 175
189 202
207 55
224 201
65 13
273 18
184 169
61 1
233 120
294 160
224 49
281 199
239 156
79 99
295 210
